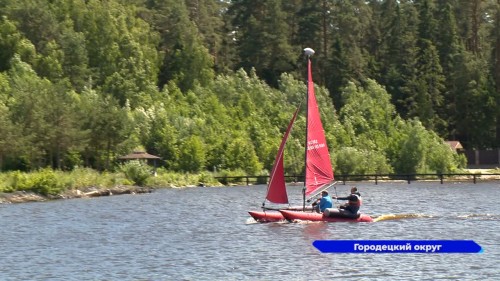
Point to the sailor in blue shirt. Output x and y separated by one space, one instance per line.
324 202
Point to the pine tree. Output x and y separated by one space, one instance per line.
263 38
206 15
186 60
398 53
427 99
496 68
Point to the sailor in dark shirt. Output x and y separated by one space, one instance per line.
354 201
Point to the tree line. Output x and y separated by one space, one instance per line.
211 85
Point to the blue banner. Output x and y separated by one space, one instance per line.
397 246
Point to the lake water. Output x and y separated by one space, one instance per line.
205 233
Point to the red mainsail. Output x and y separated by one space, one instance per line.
318 166
276 190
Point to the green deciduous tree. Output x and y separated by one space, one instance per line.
241 155
387 142
192 155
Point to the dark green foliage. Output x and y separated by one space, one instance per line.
9 42
107 127
186 61
263 38
192 155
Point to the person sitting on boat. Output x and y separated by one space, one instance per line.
322 203
354 201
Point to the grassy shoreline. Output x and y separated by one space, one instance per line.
48 184
29 196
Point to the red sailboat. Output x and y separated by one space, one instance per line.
276 189
318 169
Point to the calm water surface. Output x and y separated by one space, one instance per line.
206 234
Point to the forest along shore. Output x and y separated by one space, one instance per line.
25 196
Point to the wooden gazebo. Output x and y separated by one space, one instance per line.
141 155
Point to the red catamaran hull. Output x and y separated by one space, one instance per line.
271 216
275 215
312 216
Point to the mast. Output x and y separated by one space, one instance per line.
308 52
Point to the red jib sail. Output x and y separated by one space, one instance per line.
318 166
276 190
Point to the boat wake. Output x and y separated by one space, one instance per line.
251 221
480 216
254 221
388 217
